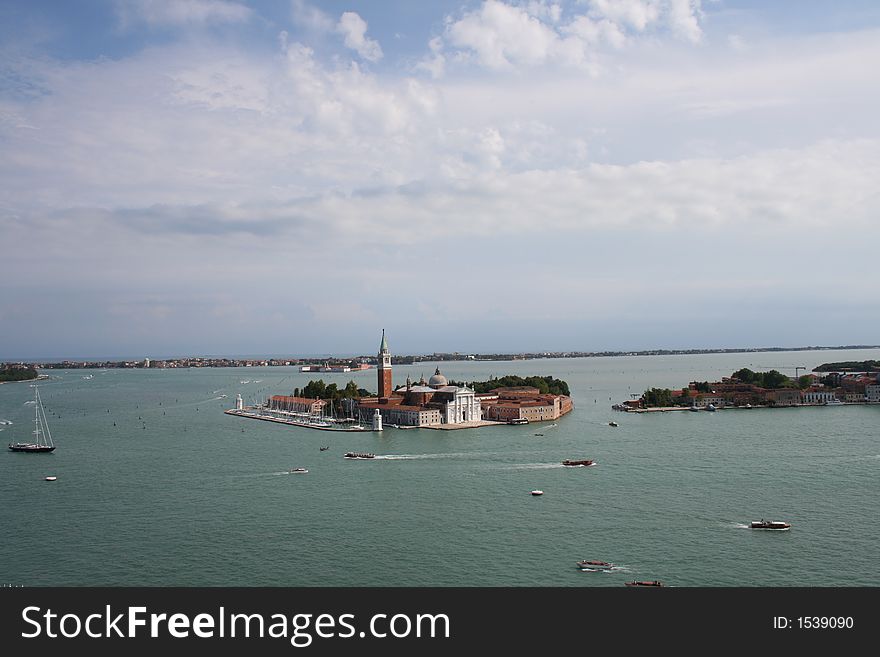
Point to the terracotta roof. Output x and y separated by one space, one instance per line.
296 400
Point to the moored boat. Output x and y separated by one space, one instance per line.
770 524
645 583
518 420
578 464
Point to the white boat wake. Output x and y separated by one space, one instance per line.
418 457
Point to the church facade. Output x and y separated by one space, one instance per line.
423 404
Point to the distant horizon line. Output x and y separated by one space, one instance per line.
466 355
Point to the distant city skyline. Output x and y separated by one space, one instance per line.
227 177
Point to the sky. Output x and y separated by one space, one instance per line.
184 177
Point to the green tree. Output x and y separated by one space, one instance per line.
657 397
745 375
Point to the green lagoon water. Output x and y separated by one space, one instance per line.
199 498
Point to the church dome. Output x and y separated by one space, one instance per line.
438 380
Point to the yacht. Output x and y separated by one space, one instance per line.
42 436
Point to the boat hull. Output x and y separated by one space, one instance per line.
771 526
32 449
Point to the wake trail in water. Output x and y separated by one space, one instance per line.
419 457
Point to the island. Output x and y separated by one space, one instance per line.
747 389
17 372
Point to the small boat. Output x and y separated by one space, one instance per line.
594 565
518 420
43 438
645 583
358 455
710 407
297 471
50 478
537 492
324 449
694 409
578 464
770 524
539 434
613 424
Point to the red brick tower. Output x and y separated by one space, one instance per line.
384 369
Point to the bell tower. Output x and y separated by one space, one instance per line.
384 369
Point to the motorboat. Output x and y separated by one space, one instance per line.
594 565
358 455
537 492
298 471
518 420
539 434
613 424
324 449
645 583
710 407
51 478
578 464
770 524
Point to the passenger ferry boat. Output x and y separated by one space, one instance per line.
358 455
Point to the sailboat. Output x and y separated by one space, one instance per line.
42 436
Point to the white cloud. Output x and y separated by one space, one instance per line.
354 30
181 12
311 18
499 35
684 19
200 153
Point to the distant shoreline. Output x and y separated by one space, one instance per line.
275 361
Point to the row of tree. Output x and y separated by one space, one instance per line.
317 389
546 385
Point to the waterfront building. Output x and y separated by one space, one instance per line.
523 402
818 396
872 393
703 400
297 404
784 397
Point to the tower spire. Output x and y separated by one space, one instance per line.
384 369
